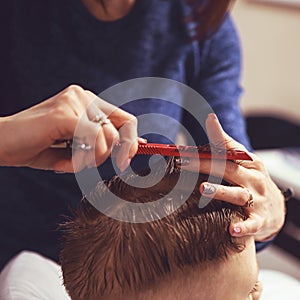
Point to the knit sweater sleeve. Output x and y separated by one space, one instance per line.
217 79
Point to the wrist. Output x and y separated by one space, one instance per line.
4 160
286 194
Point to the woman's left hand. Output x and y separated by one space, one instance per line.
250 180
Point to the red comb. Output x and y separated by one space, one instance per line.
193 151
205 151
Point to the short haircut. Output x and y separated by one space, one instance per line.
104 258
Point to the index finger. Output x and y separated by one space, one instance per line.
126 124
129 143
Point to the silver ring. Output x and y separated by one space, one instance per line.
83 147
250 201
101 120
104 122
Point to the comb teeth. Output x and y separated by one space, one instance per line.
192 152
147 149
204 151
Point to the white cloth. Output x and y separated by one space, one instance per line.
30 276
279 286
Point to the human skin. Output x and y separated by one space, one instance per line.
242 269
111 10
188 254
267 215
25 146
28 135
235 278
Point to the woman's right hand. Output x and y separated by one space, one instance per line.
27 136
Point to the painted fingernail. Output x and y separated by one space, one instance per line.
125 165
208 189
142 140
237 229
182 161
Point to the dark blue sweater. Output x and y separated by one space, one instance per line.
48 45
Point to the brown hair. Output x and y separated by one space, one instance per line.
102 257
208 15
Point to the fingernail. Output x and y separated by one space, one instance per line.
142 140
212 116
208 189
237 229
125 165
182 161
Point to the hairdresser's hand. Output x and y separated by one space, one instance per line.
27 136
267 215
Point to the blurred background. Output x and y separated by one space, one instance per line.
270 36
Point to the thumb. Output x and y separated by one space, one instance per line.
217 136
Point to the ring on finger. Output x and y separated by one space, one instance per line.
104 122
101 120
98 118
82 146
250 201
